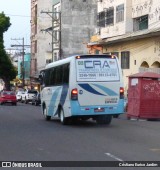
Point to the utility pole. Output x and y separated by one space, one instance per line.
56 23
23 69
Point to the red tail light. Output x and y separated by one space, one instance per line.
121 93
74 94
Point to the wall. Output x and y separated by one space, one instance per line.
119 28
55 2
141 50
56 31
27 59
150 7
43 38
78 24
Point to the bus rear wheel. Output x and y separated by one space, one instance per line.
63 119
45 114
104 119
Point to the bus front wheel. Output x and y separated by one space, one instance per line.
45 114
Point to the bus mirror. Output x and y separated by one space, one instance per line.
40 79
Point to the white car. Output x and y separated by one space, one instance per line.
19 95
28 95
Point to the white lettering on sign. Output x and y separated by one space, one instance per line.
97 69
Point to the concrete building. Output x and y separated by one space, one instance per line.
78 22
40 40
60 28
129 29
56 30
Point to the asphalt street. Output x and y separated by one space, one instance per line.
26 136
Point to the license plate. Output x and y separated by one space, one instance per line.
99 110
9 101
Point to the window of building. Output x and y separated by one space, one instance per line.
101 19
97 51
55 35
125 60
48 61
115 53
35 47
140 23
120 13
55 13
55 57
35 19
135 62
110 16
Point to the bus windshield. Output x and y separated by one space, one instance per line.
97 69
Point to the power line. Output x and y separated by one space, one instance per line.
22 45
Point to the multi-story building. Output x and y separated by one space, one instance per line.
68 26
129 29
78 22
41 40
56 30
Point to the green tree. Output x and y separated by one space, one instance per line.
7 70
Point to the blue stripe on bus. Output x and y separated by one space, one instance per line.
106 90
53 101
88 88
77 110
63 97
64 94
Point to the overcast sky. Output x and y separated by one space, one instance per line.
19 12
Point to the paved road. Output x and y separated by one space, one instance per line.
26 136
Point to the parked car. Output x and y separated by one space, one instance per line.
8 97
19 95
36 100
28 95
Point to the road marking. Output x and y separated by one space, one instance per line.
114 157
155 150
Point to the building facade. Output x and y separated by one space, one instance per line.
40 37
129 29
78 22
56 30
60 28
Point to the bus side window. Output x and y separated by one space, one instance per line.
66 74
47 77
52 76
59 75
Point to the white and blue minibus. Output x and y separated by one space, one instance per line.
83 87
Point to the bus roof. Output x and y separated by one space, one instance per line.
59 62
68 59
